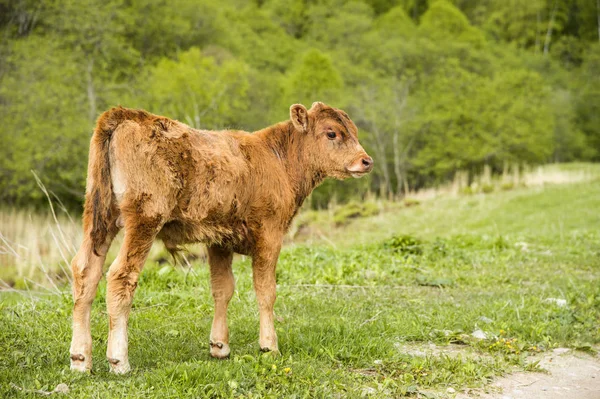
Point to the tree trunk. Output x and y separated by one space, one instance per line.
537 31
379 143
385 188
598 14
397 164
550 27
400 100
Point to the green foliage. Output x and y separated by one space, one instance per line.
313 76
45 122
588 104
449 140
435 85
404 244
443 21
396 22
193 89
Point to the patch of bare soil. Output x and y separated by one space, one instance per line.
571 375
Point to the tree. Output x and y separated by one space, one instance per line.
443 21
312 78
476 121
45 125
381 109
97 40
198 90
588 104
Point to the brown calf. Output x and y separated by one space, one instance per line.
234 191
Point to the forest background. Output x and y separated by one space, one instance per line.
436 86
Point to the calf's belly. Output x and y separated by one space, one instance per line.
234 235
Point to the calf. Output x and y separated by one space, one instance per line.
234 191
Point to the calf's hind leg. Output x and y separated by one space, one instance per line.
122 281
87 272
222 287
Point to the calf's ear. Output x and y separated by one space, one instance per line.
299 117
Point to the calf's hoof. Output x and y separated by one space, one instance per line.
274 351
81 363
118 366
269 344
219 350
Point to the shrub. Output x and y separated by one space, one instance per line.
405 244
487 188
353 210
507 186
408 202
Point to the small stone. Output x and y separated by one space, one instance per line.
451 390
561 303
370 274
478 334
368 391
378 361
524 246
62 388
486 320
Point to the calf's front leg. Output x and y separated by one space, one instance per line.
264 261
222 286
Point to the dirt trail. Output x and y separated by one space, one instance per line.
571 375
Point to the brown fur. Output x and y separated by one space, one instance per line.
234 191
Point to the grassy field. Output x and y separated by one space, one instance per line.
412 301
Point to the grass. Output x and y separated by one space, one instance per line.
385 306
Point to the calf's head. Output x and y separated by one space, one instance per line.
331 141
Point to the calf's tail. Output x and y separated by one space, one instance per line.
99 193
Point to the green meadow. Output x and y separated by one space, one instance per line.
421 299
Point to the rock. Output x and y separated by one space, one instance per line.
61 388
561 351
478 334
368 391
561 303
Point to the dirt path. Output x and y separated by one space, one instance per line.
571 375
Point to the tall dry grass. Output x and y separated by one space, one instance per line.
31 242
513 176
36 248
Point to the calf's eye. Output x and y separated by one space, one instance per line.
331 135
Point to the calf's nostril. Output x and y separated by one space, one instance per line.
367 162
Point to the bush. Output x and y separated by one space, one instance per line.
487 188
408 202
405 244
507 186
353 210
